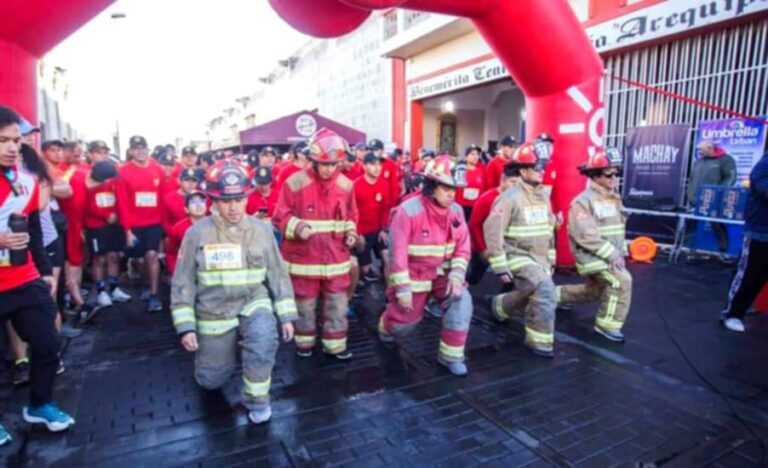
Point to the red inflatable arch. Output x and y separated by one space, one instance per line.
545 50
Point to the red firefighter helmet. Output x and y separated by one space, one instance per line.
528 155
227 179
444 171
602 159
326 146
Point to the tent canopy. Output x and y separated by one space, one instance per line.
296 127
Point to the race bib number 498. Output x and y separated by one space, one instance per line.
223 257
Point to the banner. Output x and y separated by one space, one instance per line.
654 160
743 139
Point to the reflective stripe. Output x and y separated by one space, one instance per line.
382 328
612 280
591 267
290 228
606 250
518 263
558 294
498 261
456 352
256 389
323 271
335 344
431 250
611 230
539 337
421 286
232 277
260 303
183 315
497 303
285 307
401 278
535 230
459 262
304 341
327 226
552 255
216 327
458 275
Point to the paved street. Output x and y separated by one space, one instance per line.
131 389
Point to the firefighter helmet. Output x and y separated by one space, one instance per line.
528 155
326 146
602 159
227 180
444 171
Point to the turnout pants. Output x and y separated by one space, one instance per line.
751 275
534 296
398 322
331 295
613 288
216 359
32 313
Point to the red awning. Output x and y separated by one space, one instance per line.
296 127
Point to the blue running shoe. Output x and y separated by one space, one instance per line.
351 311
4 436
50 415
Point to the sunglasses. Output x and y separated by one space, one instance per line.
611 175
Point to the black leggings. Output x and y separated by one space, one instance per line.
751 275
32 312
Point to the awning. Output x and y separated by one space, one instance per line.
296 127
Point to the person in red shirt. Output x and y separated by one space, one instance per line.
26 281
475 178
268 158
188 160
139 187
73 157
480 212
262 201
496 167
174 203
170 167
372 197
389 171
299 160
352 168
196 207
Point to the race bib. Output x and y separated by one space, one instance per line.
5 258
146 199
223 257
606 210
106 200
536 214
471 193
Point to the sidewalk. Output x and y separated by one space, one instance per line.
131 389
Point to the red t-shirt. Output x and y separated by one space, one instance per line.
73 208
256 201
494 171
175 236
139 192
285 172
354 172
173 209
476 185
100 204
373 204
480 213
391 173
28 201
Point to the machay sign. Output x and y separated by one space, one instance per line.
657 21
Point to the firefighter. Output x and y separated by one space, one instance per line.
230 283
519 235
316 216
429 253
596 235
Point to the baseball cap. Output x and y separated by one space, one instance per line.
194 194
97 145
166 159
188 150
191 174
508 140
361 145
375 145
269 150
137 141
27 128
371 158
263 176
102 171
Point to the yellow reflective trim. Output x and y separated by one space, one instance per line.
183 315
606 250
558 294
456 352
431 250
381 325
304 339
612 280
539 337
551 255
497 303
498 261
328 226
216 327
290 228
334 344
323 271
518 263
256 389
421 286
286 306
459 263
535 230
261 303
611 230
591 267
246 277
400 278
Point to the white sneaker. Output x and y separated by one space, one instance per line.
118 295
261 415
104 300
734 324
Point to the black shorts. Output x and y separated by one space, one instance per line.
55 251
373 246
103 240
149 238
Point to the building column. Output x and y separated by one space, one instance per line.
18 82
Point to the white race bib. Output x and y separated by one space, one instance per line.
536 214
606 210
107 200
146 199
223 257
5 258
471 193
